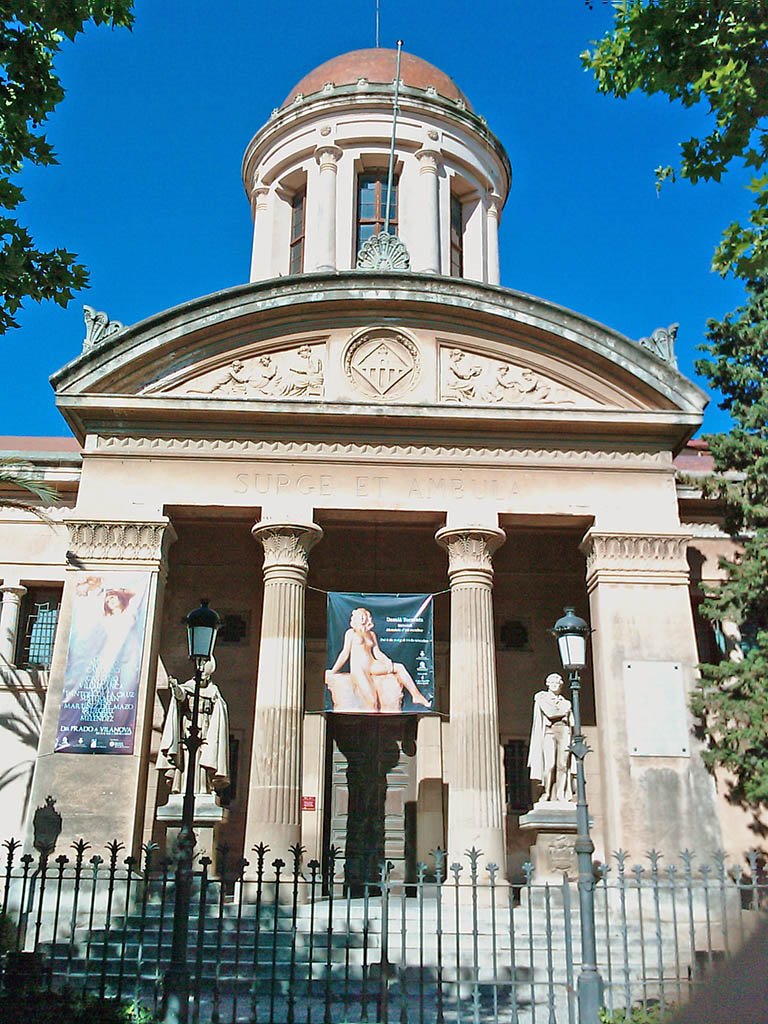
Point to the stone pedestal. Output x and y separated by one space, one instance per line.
208 816
553 853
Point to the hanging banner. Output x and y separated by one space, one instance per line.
380 654
101 680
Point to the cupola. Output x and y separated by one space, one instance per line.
316 174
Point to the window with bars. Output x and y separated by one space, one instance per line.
372 204
298 222
517 781
457 237
37 627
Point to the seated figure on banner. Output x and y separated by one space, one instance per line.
212 767
549 757
374 682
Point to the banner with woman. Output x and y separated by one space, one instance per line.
101 680
380 654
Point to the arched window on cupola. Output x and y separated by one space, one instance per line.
370 210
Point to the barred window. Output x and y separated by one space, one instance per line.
37 626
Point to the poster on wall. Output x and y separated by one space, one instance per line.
380 654
101 680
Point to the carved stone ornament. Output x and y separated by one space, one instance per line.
383 252
382 363
470 548
98 327
662 343
286 545
636 558
91 540
297 373
470 379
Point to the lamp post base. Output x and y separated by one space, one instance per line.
176 995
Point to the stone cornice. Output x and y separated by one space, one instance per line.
335 452
650 558
106 542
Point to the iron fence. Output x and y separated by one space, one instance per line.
275 942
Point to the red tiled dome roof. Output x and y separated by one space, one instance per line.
378 66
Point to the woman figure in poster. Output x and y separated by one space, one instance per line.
374 682
549 758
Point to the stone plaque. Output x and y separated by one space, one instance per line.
657 714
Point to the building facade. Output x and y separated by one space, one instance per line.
371 413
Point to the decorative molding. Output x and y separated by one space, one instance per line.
469 379
662 343
102 541
98 327
636 557
296 373
48 514
382 363
338 451
470 551
709 531
383 252
286 546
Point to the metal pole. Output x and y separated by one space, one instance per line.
395 111
589 986
176 987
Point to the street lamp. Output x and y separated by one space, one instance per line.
202 625
571 633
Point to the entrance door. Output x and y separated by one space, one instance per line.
371 776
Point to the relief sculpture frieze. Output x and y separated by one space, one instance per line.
471 379
297 373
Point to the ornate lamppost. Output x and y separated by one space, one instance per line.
202 626
571 633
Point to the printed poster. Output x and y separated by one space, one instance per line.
380 654
101 680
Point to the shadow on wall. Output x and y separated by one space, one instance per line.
22 699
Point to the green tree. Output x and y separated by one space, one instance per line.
715 55
31 34
18 483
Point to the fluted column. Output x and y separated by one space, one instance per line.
275 788
9 621
429 181
493 211
475 802
327 158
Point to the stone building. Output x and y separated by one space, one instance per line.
370 413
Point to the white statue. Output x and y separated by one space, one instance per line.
549 755
212 768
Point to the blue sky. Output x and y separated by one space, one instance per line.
154 123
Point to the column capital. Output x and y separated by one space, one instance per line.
470 552
328 156
429 160
141 544
260 194
12 592
659 558
286 547
494 205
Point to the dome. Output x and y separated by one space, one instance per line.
378 66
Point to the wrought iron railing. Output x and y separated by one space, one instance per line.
270 942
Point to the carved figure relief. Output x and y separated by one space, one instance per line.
479 380
297 373
382 363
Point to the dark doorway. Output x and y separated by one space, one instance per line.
371 780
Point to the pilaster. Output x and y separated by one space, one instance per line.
428 260
327 157
493 207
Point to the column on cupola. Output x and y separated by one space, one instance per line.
101 795
492 213
426 258
274 813
324 211
11 597
656 792
261 253
475 789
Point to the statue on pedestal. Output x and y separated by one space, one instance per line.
549 758
212 767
